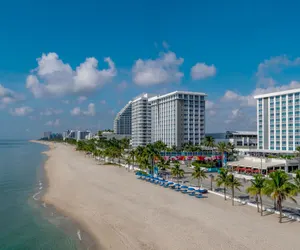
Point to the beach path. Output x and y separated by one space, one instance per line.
122 212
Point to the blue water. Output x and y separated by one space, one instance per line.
25 222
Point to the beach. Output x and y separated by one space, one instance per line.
121 212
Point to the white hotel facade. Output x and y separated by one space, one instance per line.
177 118
278 121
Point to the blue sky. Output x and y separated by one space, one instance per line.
74 65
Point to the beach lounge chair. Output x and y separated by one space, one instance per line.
168 184
177 187
198 193
191 191
171 185
184 189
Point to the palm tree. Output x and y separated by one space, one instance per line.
297 180
160 146
234 183
176 171
279 189
163 164
222 148
230 147
151 153
209 142
222 180
297 152
199 174
256 189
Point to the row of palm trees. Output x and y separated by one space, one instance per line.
278 186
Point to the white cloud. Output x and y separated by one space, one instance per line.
165 45
21 111
91 111
234 115
81 99
248 100
274 65
51 111
8 96
123 85
164 69
212 112
54 123
201 71
53 77
209 104
103 102
75 111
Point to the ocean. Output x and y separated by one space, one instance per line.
27 223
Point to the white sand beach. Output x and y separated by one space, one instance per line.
122 212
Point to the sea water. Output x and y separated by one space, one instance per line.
26 222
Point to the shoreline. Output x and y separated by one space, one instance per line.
84 238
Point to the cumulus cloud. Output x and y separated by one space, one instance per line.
53 77
164 69
248 100
91 111
209 104
123 85
165 45
274 65
21 111
8 96
54 123
51 111
75 111
81 99
201 71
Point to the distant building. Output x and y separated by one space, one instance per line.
122 122
111 135
83 135
178 117
278 121
47 135
77 135
242 139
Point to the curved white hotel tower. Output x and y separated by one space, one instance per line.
278 120
122 122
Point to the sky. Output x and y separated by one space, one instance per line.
74 65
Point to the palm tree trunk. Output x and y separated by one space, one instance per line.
198 183
224 193
261 205
256 200
232 195
279 205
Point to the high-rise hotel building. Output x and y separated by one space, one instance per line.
178 117
122 122
141 121
278 120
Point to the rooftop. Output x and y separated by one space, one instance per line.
242 132
278 93
254 164
177 92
